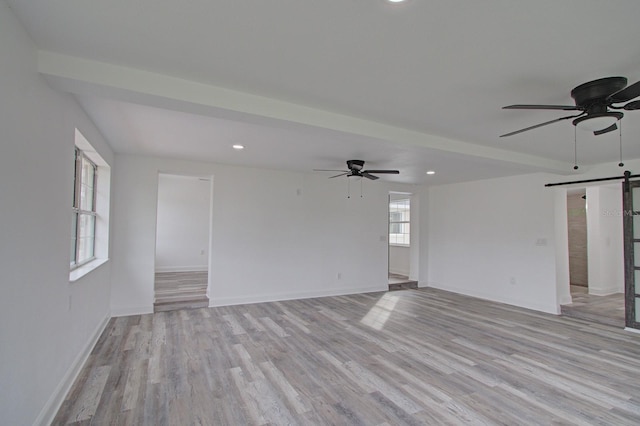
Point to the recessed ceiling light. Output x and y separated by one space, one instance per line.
431 172
238 147
395 1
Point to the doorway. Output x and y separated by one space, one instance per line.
182 242
399 242
595 254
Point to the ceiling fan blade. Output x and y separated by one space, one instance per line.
626 94
560 107
611 128
540 125
329 170
368 176
632 105
341 174
389 172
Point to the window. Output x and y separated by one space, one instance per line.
399 218
90 209
83 221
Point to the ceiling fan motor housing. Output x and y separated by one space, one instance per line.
356 165
591 92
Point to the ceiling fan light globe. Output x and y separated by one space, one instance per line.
596 122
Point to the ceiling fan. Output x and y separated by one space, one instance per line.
356 169
595 99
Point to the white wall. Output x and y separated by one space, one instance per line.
275 235
605 240
399 260
495 239
563 288
47 324
182 236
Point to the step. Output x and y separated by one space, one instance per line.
403 285
190 293
201 302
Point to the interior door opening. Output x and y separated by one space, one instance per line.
399 242
182 242
596 254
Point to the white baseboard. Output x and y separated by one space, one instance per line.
50 409
229 301
555 310
198 268
604 291
131 310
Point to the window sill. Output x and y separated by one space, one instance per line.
400 245
83 270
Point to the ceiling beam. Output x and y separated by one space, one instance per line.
87 77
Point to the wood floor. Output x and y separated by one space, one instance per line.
601 309
392 358
180 290
401 282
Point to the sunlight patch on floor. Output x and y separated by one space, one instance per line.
380 312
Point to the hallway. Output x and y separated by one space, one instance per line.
607 310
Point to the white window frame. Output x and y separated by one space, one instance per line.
406 219
78 212
101 207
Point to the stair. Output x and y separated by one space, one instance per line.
403 286
180 290
401 282
184 303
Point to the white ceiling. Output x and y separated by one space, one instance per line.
413 86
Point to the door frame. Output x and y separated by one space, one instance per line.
630 294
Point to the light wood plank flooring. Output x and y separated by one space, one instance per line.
401 282
180 290
601 309
392 358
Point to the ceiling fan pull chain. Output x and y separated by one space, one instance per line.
348 188
575 148
360 187
621 164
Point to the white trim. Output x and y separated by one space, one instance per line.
132 310
54 403
199 268
633 330
81 271
603 291
554 310
228 301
